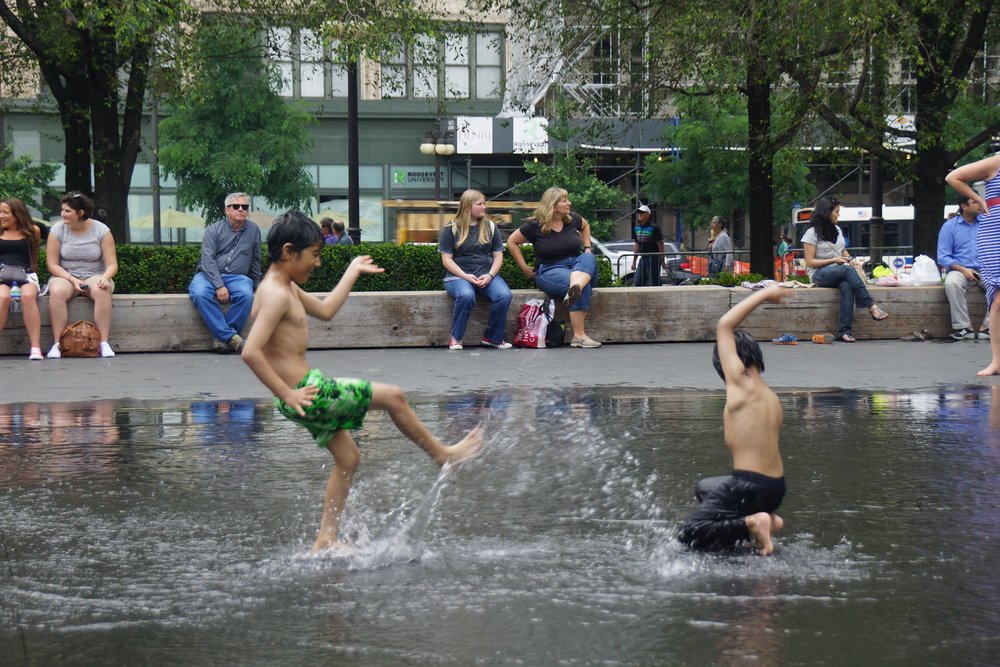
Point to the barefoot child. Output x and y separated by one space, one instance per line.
275 351
739 507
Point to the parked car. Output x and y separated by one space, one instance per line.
621 253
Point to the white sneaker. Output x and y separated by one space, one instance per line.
106 350
54 353
36 354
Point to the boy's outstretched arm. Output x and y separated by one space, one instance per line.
731 364
326 308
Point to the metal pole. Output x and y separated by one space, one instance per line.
353 159
154 168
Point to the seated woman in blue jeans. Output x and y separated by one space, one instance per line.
830 265
563 271
472 252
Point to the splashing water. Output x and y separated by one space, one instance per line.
182 531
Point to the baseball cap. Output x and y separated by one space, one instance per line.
643 209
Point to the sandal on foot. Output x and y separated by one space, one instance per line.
877 313
572 295
846 338
822 339
785 339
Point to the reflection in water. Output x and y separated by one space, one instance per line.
180 531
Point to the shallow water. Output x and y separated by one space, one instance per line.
172 533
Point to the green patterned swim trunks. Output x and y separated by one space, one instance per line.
340 405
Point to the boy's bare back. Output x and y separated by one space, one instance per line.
752 421
752 417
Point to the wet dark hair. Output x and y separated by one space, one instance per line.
747 349
79 202
822 219
295 228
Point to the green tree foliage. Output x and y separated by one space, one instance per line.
96 60
21 179
709 174
939 43
231 131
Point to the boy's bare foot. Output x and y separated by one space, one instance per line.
777 523
759 525
331 547
463 450
992 369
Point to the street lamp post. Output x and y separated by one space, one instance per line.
437 143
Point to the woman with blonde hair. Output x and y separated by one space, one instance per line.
565 267
472 252
19 239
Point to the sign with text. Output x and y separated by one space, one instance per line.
474 134
531 135
404 177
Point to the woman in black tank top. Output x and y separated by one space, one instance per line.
19 240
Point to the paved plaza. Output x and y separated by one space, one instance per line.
868 365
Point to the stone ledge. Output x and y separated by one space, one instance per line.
170 323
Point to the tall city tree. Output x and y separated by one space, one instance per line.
95 59
663 49
934 45
231 132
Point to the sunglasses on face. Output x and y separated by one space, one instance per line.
244 207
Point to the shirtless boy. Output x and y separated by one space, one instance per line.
741 506
275 351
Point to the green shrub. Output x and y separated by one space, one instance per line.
168 269
732 279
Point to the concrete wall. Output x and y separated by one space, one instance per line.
165 323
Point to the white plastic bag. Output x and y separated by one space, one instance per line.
925 271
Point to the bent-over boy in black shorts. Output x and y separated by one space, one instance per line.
742 506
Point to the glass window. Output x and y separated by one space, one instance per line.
279 45
394 75
311 65
459 67
488 73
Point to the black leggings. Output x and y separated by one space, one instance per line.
718 523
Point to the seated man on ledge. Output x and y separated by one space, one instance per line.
956 253
228 272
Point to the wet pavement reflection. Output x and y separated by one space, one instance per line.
171 532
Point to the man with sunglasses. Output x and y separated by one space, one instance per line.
228 273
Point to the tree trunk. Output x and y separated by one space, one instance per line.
761 166
76 131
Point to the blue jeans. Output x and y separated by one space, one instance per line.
223 326
464 293
647 271
852 290
553 279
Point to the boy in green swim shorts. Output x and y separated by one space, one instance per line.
275 351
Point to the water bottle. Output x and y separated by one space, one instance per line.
15 298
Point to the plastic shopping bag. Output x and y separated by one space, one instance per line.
533 323
925 271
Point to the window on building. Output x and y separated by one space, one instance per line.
458 66
307 64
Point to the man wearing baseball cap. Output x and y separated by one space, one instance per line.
648 249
